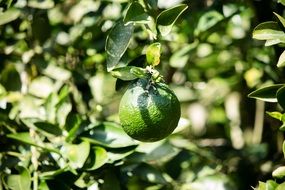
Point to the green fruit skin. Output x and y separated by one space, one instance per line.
149 114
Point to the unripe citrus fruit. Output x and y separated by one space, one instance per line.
149 111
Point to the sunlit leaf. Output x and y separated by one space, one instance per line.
117 42
45 4
9 15
123 73
97 158
77 154
41 87
21 181
281 60
136 14
268 31
276 115
166 19
153 54
267 94
109 135
279 172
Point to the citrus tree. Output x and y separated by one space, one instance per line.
83 83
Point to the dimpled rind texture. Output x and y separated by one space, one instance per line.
149 114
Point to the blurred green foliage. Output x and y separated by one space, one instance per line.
59 127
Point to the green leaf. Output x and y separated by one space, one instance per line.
41 87
267 94
136 14
281 186
72 125
138 72
97 158
109 135
261 186
23 137
153 54
279 172
77 154
149 174
119 154
166 19
281 60
271 185
268 31
124 73
155 152
282 2
281 97
26 138
9 16
153 3
208 23
53 173
117 42
276 115
21 181
49 128
280 18
44 4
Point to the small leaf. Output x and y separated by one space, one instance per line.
281 19
117 43
97 158
281 96
76 154
153 54
49 128
272 42
276 115
109 135
167 18
21 181
136 14
279 172
268 31
267 94
281 60
72 125
123 73
9 16
138 72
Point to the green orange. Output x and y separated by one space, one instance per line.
149 111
